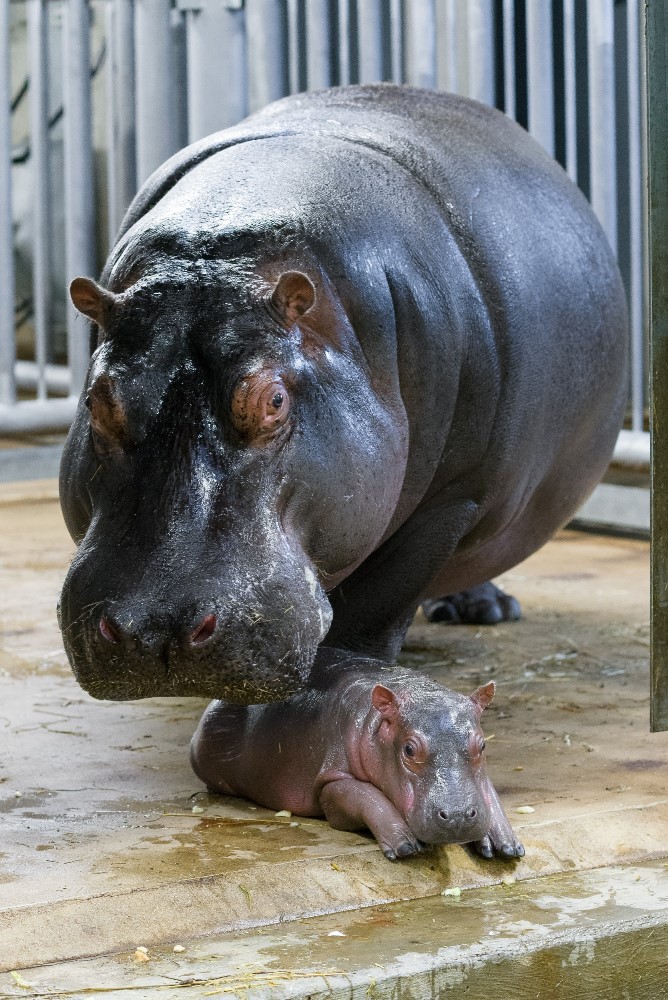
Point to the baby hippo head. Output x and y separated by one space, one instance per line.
428 749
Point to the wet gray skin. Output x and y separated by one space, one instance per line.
365 745
364 349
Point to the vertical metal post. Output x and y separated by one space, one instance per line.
635 214
121 133
600 57
570 107
318 45
7 341
462 43
294 46
447 51
509 102
79 195
344 41
38 72
657 142
481 48
540 75
155 119
396 41
266 32
217 67
421 43
369 29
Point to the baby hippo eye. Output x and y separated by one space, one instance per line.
410 750
260 406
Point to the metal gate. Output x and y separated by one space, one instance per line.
95 94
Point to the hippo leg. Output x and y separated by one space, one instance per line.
485 604
349 804
500 838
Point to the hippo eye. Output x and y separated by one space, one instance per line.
409 750
482 746
260 406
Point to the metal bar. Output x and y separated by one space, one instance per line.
540 72
294 46
635 216
481 46
7 341
57 377
37 416
217 68
121 133
318 45
369 28
38 72
509 98
462 43
447 48
600 55
344 41
155 123
421 43
396 41
657 142
570 106
79 196
267 52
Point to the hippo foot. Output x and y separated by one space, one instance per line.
488 849
485 604
405 849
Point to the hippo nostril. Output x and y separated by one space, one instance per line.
471 813
203 631
443 815
108 631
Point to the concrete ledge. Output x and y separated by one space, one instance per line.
596 934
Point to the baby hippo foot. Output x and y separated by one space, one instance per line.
500 839
401 844
485 604
489 848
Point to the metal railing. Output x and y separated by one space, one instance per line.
166 73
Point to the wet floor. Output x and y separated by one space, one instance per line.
101 847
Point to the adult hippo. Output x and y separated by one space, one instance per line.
364 349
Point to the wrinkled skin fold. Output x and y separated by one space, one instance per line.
365 348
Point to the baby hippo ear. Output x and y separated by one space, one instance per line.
293 296
92 300
482 696
385 702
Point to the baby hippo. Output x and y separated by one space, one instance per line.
365 745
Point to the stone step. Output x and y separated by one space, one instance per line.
596 934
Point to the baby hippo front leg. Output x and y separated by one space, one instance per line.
500 838
349 804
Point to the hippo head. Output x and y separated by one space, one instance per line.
231 460
428 750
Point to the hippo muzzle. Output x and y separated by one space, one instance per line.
247 632
447 818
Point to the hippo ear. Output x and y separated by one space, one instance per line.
482 696
92 300
293 296
385 702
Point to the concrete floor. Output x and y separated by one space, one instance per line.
101 851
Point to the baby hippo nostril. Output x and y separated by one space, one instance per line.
471 813
203 631
443 815
108 631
